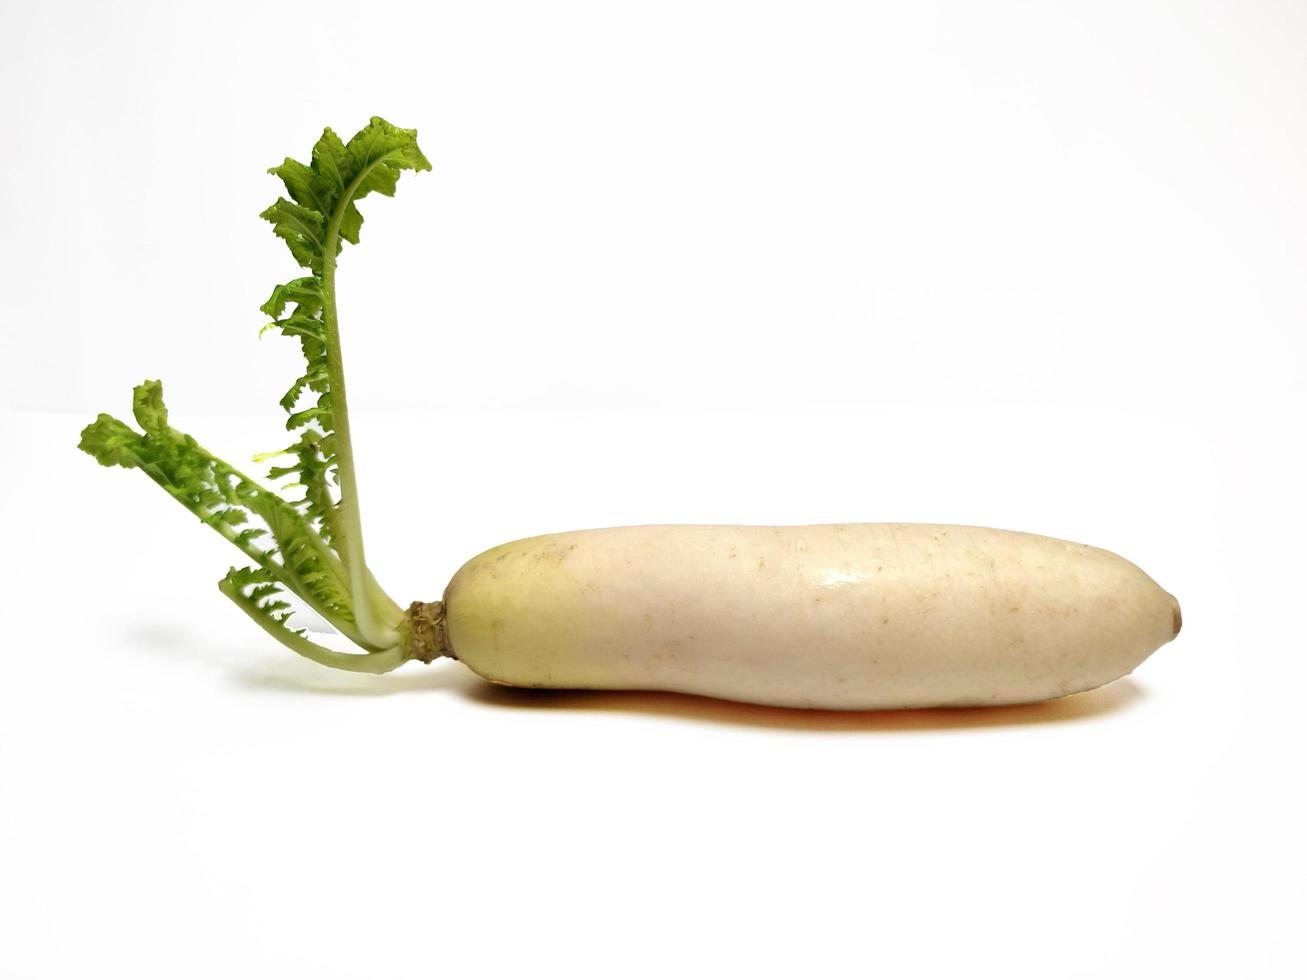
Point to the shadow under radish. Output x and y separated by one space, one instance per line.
1113 698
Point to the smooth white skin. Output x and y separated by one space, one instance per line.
853 616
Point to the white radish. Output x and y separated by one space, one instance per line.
834 616
828 616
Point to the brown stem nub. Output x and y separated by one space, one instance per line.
424 624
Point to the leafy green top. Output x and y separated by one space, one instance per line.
312 545
321 216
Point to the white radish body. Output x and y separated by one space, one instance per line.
852 616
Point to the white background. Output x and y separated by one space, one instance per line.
1021 265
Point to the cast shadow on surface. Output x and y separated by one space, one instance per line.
1111 699
306 678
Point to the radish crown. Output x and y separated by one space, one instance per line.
311 545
